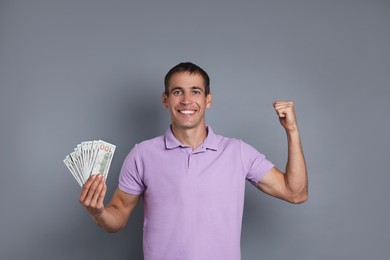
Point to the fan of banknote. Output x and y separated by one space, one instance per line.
88 158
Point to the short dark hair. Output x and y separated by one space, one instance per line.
190 68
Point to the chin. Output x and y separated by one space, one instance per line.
186 126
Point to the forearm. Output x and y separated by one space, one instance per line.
296 172
110 219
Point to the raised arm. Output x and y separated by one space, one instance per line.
112 217
292 185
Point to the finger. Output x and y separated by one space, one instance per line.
91 191
86 187
281 112
280 104
102 194
285 107
96 195
282 109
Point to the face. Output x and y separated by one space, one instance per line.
187 101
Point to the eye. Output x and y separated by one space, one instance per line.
176 92
196 92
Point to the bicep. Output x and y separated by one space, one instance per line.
274 184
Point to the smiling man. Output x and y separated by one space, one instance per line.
192 181
187 95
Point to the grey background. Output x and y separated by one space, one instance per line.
72 71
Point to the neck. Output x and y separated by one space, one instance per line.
192 137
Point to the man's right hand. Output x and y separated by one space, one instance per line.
114 215
93 193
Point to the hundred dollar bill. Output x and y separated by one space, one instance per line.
90 157
71 168
104 154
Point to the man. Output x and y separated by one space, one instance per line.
192 181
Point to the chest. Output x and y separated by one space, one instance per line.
182 175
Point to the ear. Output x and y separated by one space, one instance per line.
209 100
164 100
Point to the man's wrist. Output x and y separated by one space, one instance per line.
292 130
293 134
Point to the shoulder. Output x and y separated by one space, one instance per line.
157 142
146 147
245 149
238 144
224 142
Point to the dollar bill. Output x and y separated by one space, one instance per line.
103 157
90 157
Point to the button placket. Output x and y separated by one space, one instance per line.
189 162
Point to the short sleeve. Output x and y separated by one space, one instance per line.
130 180
255 164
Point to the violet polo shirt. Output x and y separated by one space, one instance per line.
193 199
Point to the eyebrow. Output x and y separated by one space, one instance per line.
192 88
197 88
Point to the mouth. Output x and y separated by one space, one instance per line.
187 112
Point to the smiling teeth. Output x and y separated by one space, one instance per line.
187 112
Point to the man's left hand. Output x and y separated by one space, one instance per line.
286 112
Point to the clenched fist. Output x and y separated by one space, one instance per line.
286 112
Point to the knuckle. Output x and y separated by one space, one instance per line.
93 188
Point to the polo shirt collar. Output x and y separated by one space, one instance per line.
211 141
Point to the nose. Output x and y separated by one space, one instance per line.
186 99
